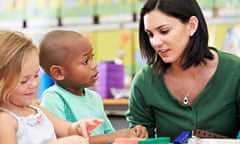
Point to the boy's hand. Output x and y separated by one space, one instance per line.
140 131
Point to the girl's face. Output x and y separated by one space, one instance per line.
26 89
81 70
168 36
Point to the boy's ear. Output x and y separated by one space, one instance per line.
57 72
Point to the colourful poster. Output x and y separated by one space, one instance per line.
11 10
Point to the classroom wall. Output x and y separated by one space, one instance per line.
116 35
110 44
110 41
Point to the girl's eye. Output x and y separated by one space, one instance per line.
36 76
23 81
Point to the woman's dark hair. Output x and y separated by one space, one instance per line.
197 49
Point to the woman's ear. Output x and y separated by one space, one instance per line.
57 72
192 25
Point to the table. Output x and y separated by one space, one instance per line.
115 110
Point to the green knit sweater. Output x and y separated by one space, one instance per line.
216 109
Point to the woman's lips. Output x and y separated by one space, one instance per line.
163 53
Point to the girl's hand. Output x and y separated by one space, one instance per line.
85 127
74 139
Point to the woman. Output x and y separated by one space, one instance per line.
186 85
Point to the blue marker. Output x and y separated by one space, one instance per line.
182 138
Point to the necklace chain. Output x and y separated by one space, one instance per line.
186 94
185 99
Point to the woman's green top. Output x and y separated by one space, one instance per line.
216 109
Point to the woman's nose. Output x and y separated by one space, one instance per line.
156 41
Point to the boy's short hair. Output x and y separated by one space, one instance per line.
53 47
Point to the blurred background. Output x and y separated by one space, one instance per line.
112 27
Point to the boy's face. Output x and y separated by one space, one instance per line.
80 68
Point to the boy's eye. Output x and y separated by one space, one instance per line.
85 62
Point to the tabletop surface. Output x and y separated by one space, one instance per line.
123 101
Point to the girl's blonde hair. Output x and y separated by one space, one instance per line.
14 47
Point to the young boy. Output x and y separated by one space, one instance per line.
67 57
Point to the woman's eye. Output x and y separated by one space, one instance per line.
149 34
163 32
